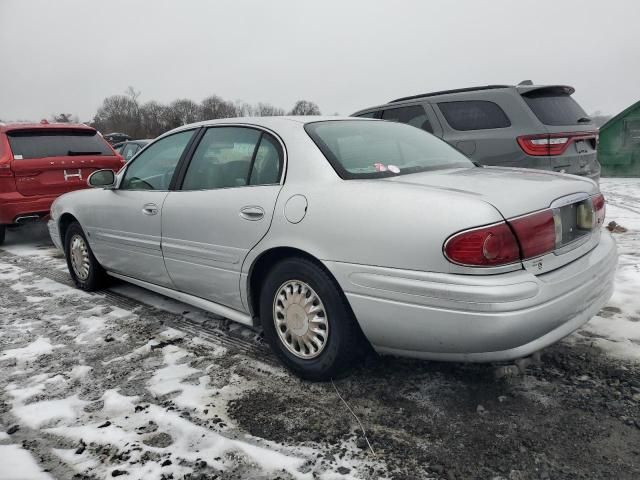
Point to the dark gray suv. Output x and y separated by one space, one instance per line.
532 126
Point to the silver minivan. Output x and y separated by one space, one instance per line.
530 126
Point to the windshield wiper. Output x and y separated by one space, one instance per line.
78 152
584 120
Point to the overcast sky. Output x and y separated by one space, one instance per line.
66 56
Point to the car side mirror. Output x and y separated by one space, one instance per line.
102 178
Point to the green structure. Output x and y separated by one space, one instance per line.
619 145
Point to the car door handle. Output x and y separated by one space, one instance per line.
150 209
252 213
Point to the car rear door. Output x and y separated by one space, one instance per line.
52 161
221 210
126 223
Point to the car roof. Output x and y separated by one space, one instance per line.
275 123
523 88
16 126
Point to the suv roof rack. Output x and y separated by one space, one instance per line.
443 92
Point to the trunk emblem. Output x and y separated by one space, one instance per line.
68 175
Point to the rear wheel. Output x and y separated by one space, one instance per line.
307 321
85 270
3 230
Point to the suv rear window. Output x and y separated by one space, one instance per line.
474 115
553 108
364 149
412 115
29 144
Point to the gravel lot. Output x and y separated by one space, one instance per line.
131 385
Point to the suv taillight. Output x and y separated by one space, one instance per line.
517 239
551 144
5 170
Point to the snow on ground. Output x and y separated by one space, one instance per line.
616 328
18 464
97 388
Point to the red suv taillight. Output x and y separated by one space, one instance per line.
483 247
551 144
517 239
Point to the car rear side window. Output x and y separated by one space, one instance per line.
474 115
31 144
369 115
413 115
556 108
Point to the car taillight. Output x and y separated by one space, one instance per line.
5 170
599 208
536 233
483 247
551 144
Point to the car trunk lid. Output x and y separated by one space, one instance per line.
52 161
515 193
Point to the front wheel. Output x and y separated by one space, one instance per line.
307 321
85 270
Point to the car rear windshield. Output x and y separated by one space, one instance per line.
555 108
29 144
372 149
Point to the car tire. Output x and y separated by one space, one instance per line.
336 339
3 231
84 269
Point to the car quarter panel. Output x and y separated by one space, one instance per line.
503 316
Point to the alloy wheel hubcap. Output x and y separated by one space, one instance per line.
300 319
80 257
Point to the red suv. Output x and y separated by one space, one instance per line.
39 162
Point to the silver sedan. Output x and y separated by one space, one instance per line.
333 232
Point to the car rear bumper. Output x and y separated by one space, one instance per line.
13 205
476 318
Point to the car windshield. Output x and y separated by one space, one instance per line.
373 149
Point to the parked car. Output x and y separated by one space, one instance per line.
40 161
129 148
530 126
116 137
329 232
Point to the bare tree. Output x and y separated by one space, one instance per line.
215 107
267 110
118 113
305 107
181 112
154 118
64 118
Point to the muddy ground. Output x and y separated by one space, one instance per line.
128 385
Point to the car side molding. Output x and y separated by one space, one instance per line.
207 305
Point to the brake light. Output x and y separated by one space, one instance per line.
599 206
536 233
483 247
5 170
551 144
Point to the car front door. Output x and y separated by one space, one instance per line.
221 210
126 231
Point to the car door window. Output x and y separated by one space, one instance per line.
153 169
224 159
412 115
267 165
